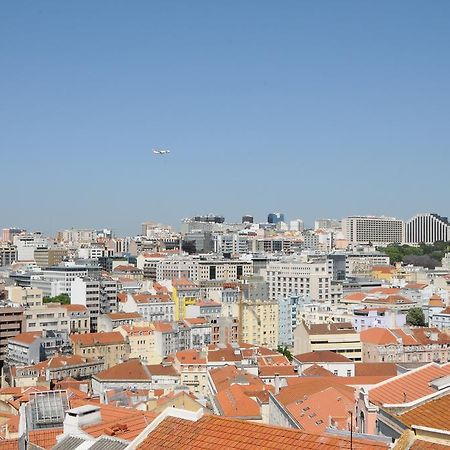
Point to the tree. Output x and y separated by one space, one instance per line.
415 317
284 351
64 299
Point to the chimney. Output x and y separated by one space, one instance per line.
77 418
277 383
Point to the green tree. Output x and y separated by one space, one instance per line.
64 299
415 317
284 351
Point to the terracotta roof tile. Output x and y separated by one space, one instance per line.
378 336
91 339
381 369
419 444
409 386
433 414
317 371
212 432
44 438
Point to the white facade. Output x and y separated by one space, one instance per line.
427 229
371 229
294 276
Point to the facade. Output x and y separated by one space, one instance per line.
11 324
288 317
111 348
259 322
184 293
151 307
336 337
79 318
415 345
8 254
141 340
48 316
295 276
46 257
191 365
25 349
108 322
224 330
372 229
427 229
24 296
99 295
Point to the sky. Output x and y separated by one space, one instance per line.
321 108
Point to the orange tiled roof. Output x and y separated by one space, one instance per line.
409 386
190 357
212 432
381 369
433 414
317 371
27 337
322 356
91 339
9 444
123 315
73 307
416 286
313 412
44 438
378 336
233 402
282 371
355 296
133 369
163 327
419 444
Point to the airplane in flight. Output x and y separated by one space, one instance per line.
161 152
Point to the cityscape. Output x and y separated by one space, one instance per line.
330 334
224 225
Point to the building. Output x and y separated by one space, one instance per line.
184 293
288 318
9 233
275 218
335 363
24 296
298 276
46 257
79 318
111 321
48 316
98 294
224 330
11 325
8 254
247 218
414 345
27 243
25 349
141 340
259 322
372 229
111 348
151 307
427 229
336 337
191 365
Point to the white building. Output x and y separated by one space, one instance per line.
427 229
372 229
99 295
298 276
152 307
26 245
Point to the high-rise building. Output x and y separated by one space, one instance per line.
8 254
372 229
247 218
275 217
427 229
297 276
11 324
99 295
9 233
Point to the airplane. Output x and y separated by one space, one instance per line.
161 152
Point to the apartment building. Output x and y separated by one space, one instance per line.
11 324
47 257
336 337
259 322
48 316
373 229
184 293
151 307
98 294
8 254
24 296
79 318
299 276
111 347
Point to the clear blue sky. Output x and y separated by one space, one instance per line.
314 108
